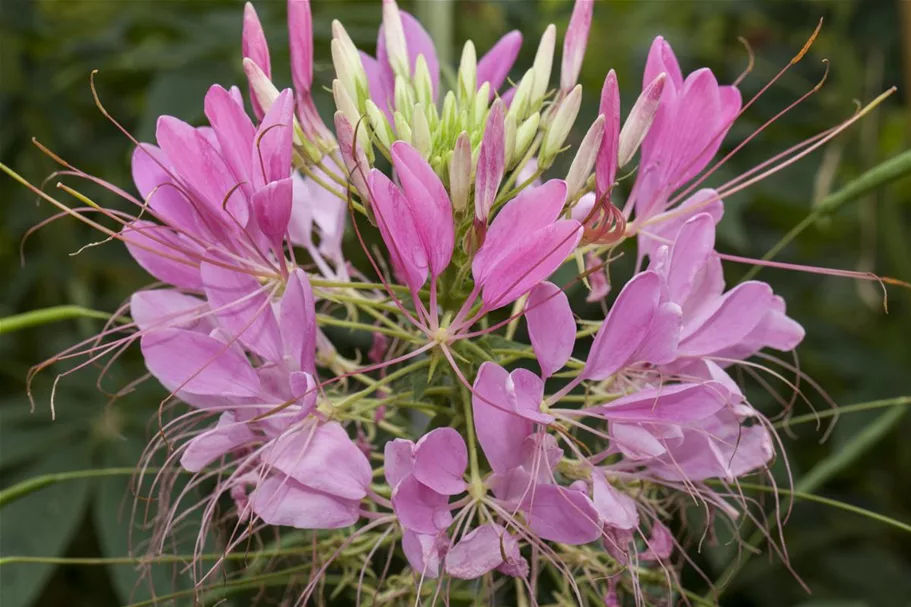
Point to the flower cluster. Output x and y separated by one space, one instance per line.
478 453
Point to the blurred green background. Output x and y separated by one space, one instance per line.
159 57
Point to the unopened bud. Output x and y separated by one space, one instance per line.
479 107
347 63
404 96
402 129
345 105
449 121
396 46
525 134
380 125
509 138
460 172
468 72
262 88
560 126
585 158
521 100
423 85
420 132
640 120
543 64
575 42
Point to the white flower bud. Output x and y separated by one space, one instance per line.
585 158
423 85
509 139
460 177
524 136
262 87
402 129
468 72
420 132
479 107
640 120
404 97
521 101
396 46
543 64
560 126
380 125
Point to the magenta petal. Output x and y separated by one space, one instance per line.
304 391
561 515
481 551
226 436
424 552
440 461
398 460
234 131
659 345
616 509
574 43
551 326
272 206
272 144
694 243
198 364
680 403
279 500
526 393
496 63
254 46
625 327
661 230
297 321
500 432
491 162
163 254
322 458
244 309
535 257
636 442
533 209
419 508
429 203
661 58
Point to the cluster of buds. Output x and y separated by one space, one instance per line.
579 467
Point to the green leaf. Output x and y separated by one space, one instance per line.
41 524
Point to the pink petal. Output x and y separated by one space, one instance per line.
500 432
324 459
234 131
575 42
419 508
636 442
244 309
496 63
226 436
525 391
398 460
440 461
660 543
272 206
429 203
198 364
616 509
551 327
661 58
491 161
254 46
424 552
561 515
398 229
660 231
300 30
280 500
625 327
481 551
297 321
203 170
680 403
163 254
168 308
732 317
533 209
606 164
379 82
153 177
419 42
531 260
271 160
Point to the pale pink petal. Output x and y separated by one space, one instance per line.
254 46
398 460
297 321
680 403
244 309
561 515
636 442
728 321
282 501
154 178
198 364
551 327
163 254
300 29
272 207
575 42
234 131
424 552
480 551
617 509
526 393
271 152
440 461
660 543
168 308
226 436
500 432
322 458
419 508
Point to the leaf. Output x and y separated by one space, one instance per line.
42 524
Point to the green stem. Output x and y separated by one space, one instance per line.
37 483
35 318
875 404
469 430
324 319
880 175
